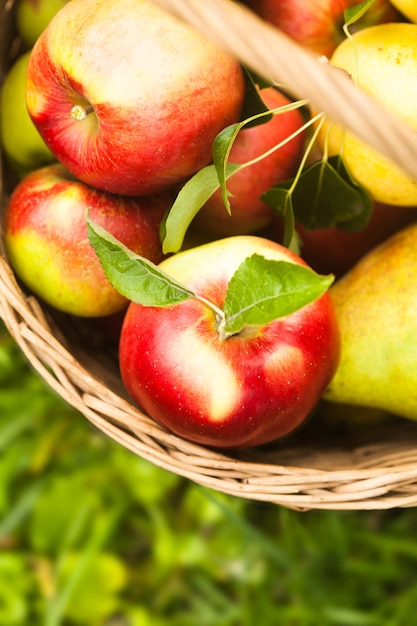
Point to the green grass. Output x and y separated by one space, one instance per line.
92 535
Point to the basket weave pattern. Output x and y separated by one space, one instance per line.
320 467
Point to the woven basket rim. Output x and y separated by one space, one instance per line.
379 474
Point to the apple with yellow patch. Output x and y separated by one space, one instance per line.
220 390
128 97
45 235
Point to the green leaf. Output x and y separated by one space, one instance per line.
363 207
193 195
353 14
135 277
221 151
324 196
277 288
253 103
280 199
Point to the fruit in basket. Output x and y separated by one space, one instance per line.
128 97
45 233
376 305
318 24
22 144
33 16
231 388
335 250
383 61
407 7
248 212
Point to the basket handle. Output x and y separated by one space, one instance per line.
273 55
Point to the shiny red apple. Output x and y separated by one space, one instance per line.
128 97
45 235
222 390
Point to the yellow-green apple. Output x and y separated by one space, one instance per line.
229 389
23 146
45 233
382 60
407 7
248 212
318 24
128 97
33 16
334 250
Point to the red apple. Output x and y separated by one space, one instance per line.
318 24
248 212
46 240
128 97
334 250
240 390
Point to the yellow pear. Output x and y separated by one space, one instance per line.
376 303
407 7
382 60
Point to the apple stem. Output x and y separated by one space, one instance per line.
220 317
221 323
80 112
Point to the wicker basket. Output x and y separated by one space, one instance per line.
323 465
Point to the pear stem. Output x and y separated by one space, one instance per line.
80 112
